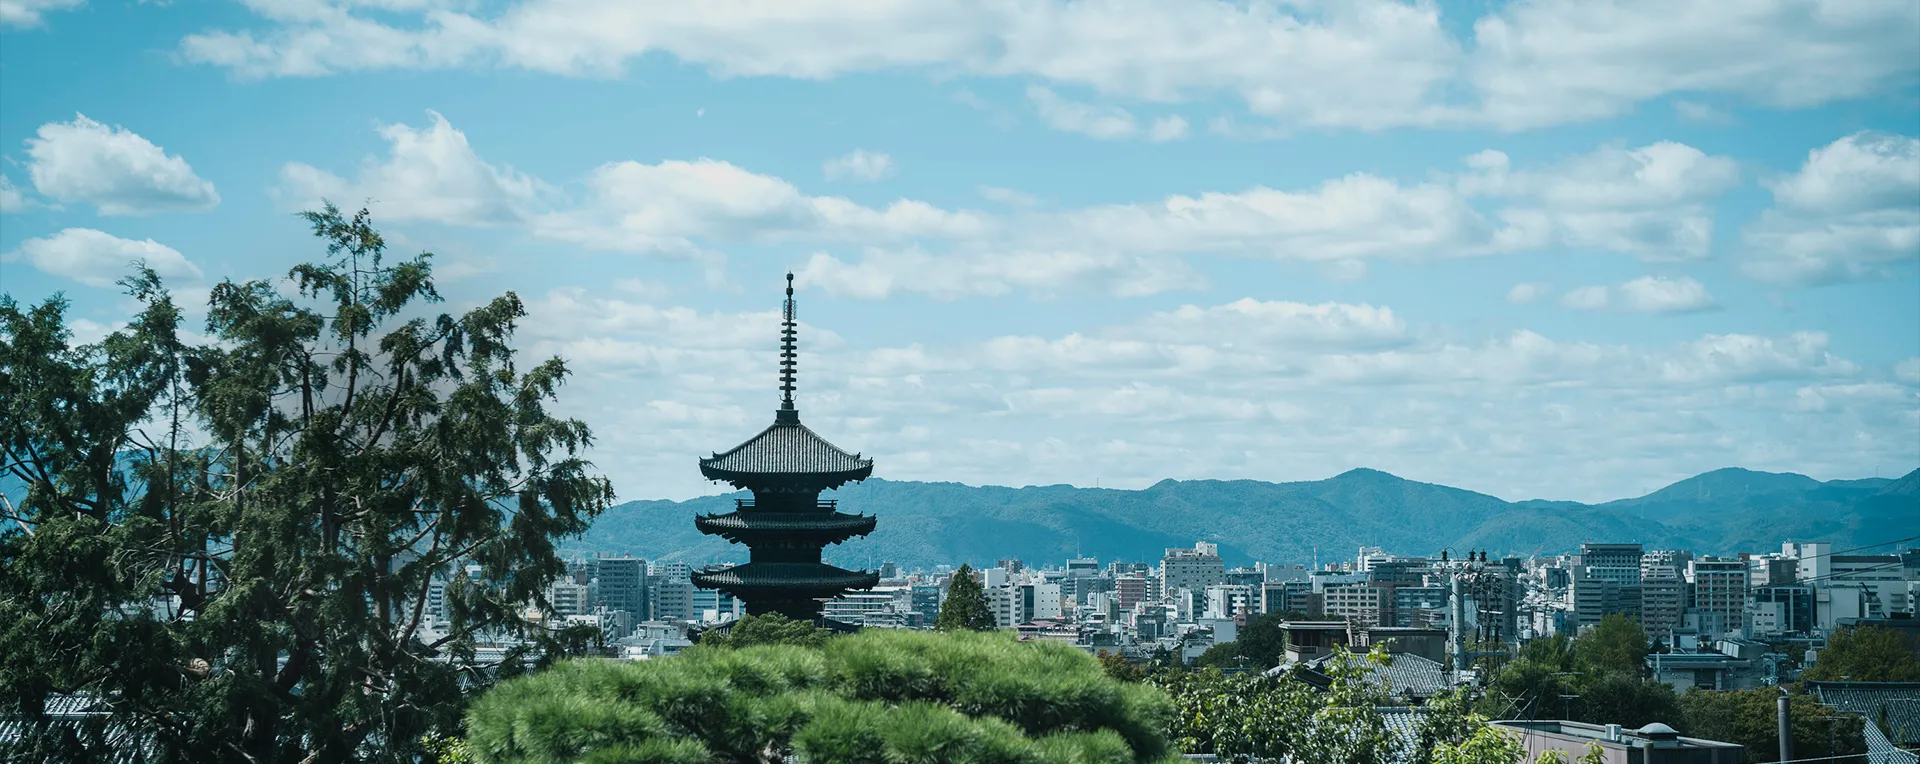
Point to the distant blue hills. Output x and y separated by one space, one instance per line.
925 524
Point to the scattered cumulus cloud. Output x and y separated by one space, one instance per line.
1372 64
1908 371
1192 391
12 199
1851 212
882 273
27 14
1702 114
429 174
1653 294
1527 292
1586 298
113 169
859 165
99 259
1007 196
1091 120
1652 202
669 206
1172 127
1647 294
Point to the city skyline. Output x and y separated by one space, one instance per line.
1515 248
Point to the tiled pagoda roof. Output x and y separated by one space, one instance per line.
800 576
788 449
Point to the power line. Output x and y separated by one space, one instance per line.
1858 548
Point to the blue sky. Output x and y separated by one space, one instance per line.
1557 249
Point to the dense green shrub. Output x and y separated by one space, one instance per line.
878 696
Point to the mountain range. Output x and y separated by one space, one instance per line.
924 524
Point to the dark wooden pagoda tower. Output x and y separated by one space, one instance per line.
786 523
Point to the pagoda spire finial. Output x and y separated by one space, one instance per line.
788 345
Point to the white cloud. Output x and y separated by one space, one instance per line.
1168 128
1095 121
1852 211
1556 61
1007 196
1702 114
1651 202
1267 389
1647 294
1355 217
880 273
859 165
1654 294
11 198
1527 292
113 169
99 259
1908 371
429 173
26 14
1254 323
1586 298
1370 64
666 207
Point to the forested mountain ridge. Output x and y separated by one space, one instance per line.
922 524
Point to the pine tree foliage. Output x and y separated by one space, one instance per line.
875 696
966 608
230 545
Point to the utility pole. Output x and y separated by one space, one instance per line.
1786 729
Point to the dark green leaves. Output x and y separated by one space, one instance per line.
231 545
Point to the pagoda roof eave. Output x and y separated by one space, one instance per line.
786 451
814 578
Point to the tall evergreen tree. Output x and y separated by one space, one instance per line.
231 547
966 606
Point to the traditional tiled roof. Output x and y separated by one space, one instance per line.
1404 723
787 449
1899 701
785 575
86 719
1409 676
819 522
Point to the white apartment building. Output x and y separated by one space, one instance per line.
1193 569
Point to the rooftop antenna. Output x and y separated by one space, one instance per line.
788 342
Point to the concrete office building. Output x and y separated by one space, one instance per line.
1192 569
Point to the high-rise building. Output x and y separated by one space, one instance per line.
672 600
1192 569
621 584
1719 589
1229 600
1619 563
786 523
1130 590
1352 602
569 598
1663 592
1777 611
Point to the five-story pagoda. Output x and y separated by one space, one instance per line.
786 523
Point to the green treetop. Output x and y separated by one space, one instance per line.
1866 654
1616 645
965 608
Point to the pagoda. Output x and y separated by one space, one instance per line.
786 523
